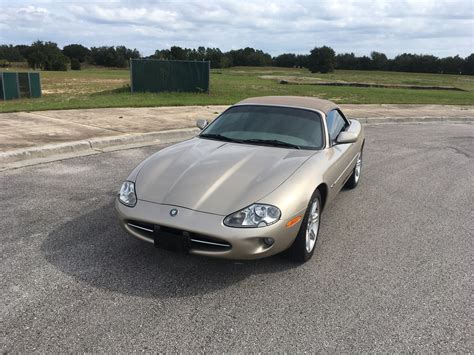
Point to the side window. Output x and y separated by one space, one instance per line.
336 124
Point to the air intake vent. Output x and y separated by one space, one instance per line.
198 241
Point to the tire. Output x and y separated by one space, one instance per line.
355 177
303 247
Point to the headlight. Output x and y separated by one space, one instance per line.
256 215
127 194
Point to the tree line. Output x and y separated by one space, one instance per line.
48 56
324 60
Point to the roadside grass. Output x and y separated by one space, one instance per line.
99 87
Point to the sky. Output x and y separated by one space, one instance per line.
439 27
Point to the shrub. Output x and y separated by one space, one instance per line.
4 63
75 64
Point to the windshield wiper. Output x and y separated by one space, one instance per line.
219 137
274 142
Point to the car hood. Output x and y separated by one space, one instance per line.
214 176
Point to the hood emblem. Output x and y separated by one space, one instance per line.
173 212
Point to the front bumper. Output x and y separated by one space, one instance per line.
242 243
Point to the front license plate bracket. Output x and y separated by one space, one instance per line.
178 242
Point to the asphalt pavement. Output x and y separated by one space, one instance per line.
392 270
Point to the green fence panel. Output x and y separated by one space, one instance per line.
10 86
15 85
35 85
24 85
169 75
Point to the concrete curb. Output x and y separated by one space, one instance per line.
51 152
416 120
163 137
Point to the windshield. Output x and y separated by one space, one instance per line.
268 125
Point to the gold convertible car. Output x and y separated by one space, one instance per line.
252 184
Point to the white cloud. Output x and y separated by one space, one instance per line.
441 27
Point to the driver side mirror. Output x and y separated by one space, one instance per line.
350 135
201 124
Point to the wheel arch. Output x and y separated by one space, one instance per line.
323 190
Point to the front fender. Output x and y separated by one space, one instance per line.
294 194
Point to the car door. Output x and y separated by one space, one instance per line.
342 155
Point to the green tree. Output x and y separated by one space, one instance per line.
347 61
46 56
302 60
322 59
379 61
178 53
365 63
249 57
10 53
23 49
216 57
469 65
452 65
287 60
76 51
113 56
225 62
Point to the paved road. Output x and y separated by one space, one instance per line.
392 270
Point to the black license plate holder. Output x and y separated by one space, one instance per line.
178 242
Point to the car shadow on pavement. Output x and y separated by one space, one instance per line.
92 248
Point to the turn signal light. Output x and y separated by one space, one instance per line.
293 221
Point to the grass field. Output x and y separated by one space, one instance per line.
98 87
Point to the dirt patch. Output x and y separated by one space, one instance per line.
302 80
294 79
388 86
81 86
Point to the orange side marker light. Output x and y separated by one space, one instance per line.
293 221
